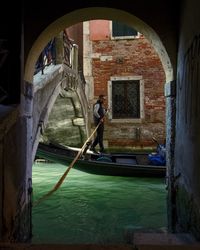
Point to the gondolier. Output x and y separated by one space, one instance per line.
98 115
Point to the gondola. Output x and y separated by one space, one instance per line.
112 164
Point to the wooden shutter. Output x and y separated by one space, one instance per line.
121 29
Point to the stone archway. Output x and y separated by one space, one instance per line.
109 14
82 15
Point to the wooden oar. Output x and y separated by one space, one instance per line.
58 184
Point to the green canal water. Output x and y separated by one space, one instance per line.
95 209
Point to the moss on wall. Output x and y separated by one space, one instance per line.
188 219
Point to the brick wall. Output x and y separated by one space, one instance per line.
131 57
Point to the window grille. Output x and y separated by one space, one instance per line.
126 99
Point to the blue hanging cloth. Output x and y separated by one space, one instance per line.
158 158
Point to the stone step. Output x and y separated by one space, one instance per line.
96 247
172 247
164 241
141 241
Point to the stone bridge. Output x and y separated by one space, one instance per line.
46 89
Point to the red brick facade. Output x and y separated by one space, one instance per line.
130 58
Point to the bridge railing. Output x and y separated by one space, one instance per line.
47 57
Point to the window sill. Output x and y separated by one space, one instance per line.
139 120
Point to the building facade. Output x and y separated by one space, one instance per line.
120 63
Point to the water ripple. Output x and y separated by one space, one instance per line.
94 209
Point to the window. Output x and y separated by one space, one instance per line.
122 30
125 99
